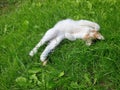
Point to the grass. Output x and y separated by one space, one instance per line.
72 65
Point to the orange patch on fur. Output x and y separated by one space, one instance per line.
86 37
93 31
96 35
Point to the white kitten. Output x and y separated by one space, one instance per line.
68 29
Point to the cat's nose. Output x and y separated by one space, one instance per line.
101 37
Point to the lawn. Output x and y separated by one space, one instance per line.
72 65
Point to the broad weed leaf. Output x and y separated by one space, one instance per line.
21 81
61 74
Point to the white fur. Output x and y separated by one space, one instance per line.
66 29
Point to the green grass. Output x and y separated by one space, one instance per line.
72 65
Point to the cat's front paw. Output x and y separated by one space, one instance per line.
88 44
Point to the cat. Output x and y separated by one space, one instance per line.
68 29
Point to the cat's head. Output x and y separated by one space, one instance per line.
96 35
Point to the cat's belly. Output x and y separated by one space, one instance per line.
80 35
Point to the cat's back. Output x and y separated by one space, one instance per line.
66 22
66 25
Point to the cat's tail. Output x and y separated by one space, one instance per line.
49 35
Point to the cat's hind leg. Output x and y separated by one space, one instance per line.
50 47
50 34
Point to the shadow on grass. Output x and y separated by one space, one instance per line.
8 5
